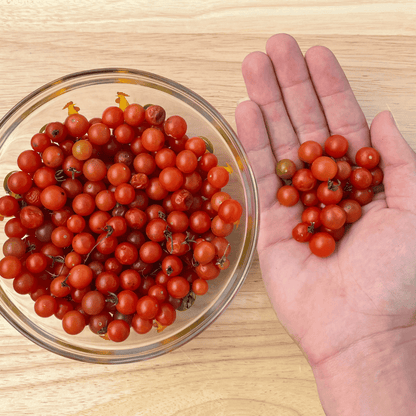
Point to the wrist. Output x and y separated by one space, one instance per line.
376 376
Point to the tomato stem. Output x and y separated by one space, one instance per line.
59 176
112 298
73 171
333 186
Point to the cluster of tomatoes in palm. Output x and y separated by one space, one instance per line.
331 188
118 221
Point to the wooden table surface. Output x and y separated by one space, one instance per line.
245 363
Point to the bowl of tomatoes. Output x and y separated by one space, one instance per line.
129 215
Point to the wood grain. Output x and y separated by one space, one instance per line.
244 363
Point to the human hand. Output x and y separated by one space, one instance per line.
367 288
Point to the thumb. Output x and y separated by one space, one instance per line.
398 162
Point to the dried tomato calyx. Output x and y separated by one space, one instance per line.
332 186
112 298
311 228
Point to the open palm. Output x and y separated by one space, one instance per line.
368 285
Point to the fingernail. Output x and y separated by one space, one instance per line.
392 117
243 99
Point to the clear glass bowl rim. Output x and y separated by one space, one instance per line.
92 357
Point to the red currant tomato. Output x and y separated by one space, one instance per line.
178 287
218 177
45 306
311 215
31 217
134 115
377 175
147 307
324 168
19 182
196 145
207 162
140 325
80 277
127 302
44 177
53 198
77 125
155 115
10 267
8 206
171 179
352 209
303 180
153 139
333 217
204 252
322 244
118 330
126 253
344 170
207 271
362 196
329 193
199 222
230 211
113 117
73 322
220 228
186 161
166 315
336 146
288 195
172 265
361 178
56 132
301 232
94 170
155 190
309 198
29 161
150 252
130 279
40 142
200 287
99 134
118 173
93 302
367 157
83 204
178 221
175 126
309 151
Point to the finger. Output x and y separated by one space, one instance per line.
398 162
298 93
342 111
253 135
262 88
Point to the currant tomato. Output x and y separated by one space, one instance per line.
288 195
367 157
324 168
309 151
322 244
336 146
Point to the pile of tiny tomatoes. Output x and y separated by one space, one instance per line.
331 188
118 221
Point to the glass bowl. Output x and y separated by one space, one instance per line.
90 92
